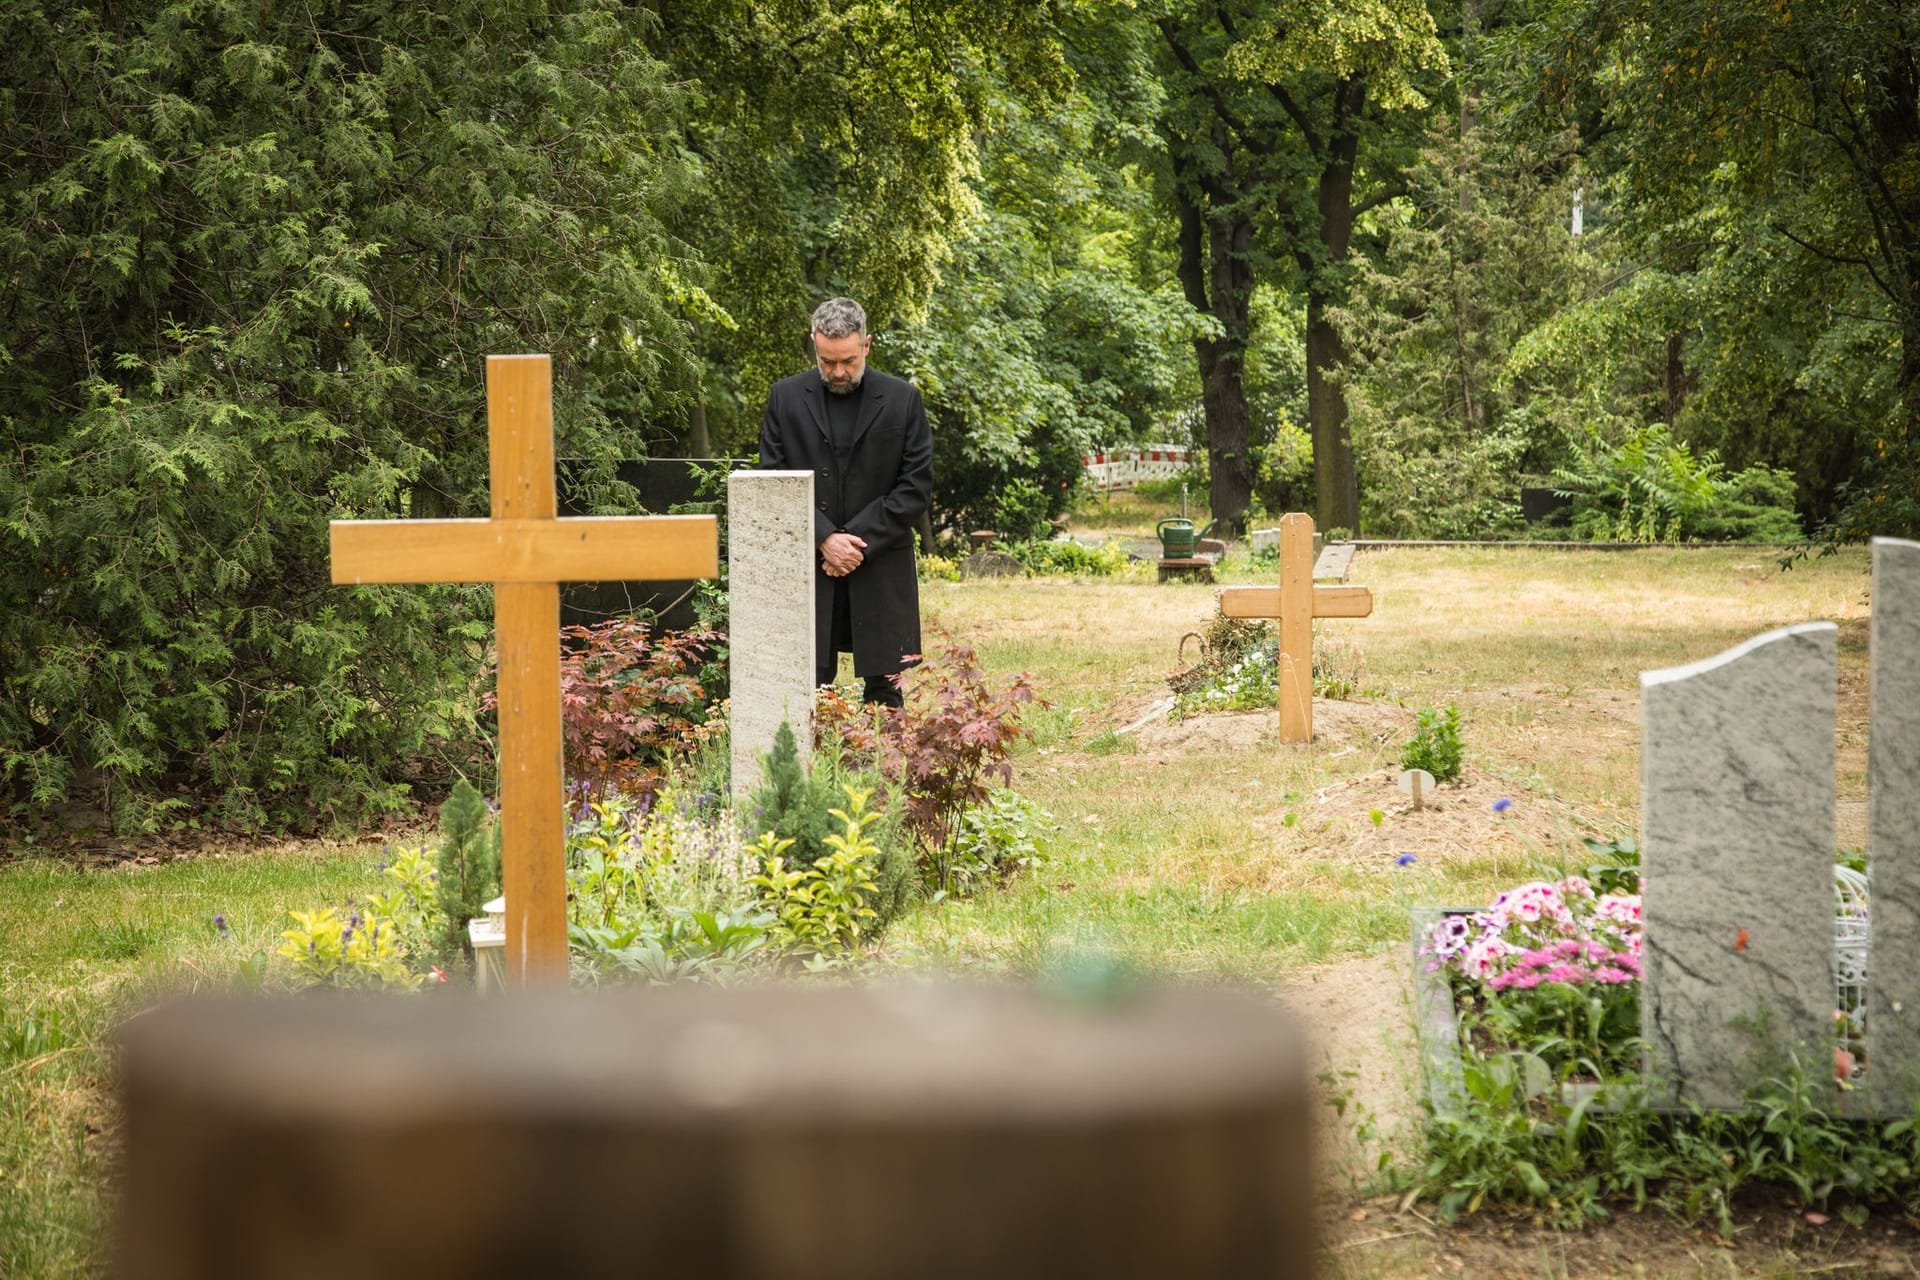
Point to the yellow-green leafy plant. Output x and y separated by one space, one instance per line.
359 951
661 893
822 908
387 943
938 569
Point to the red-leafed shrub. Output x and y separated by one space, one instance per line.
946 748
628 701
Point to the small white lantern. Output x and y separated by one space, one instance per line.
488 937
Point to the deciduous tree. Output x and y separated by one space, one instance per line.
1286 121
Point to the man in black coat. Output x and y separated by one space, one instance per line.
864 436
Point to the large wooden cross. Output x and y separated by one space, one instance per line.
1296 603
527 553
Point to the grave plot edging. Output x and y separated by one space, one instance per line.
1435 1024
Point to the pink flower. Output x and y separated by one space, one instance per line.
1621 912
1482 957
1544 931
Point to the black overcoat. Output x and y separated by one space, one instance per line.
878 496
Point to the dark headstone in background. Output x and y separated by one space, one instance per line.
662 483
793 1133
1538 504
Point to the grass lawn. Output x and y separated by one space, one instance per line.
1198 847
1176 846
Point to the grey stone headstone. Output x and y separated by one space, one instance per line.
1737 865
1333 561
1893 821
770 559
1260 541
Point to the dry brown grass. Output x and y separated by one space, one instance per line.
1540 650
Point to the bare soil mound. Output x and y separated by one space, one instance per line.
1335 724
1369 818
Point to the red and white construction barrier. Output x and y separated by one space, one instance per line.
1128 467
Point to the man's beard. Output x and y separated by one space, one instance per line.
846 388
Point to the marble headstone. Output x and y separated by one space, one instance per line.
1737 865
1893 821
770 560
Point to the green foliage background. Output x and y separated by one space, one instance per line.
255 257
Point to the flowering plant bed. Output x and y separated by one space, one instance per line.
1546 977
1528 1018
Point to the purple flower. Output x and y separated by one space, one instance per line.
1450 936
1502 805
1404 860
220 923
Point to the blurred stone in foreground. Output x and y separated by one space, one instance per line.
756 1131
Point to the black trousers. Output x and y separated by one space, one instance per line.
879 689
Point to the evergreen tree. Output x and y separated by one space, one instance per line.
468 861
255 258
1479 255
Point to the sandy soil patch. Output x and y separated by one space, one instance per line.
1357 1016
1335 725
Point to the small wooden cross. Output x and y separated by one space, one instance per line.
527 553
1296 603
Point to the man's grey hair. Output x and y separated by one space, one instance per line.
839 318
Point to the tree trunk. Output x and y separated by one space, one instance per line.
1907 377
1336 484
1674 380
1224 392
1217 275
699 444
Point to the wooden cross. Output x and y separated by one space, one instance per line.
527 553
1296 603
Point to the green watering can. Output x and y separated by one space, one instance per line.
1176 537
